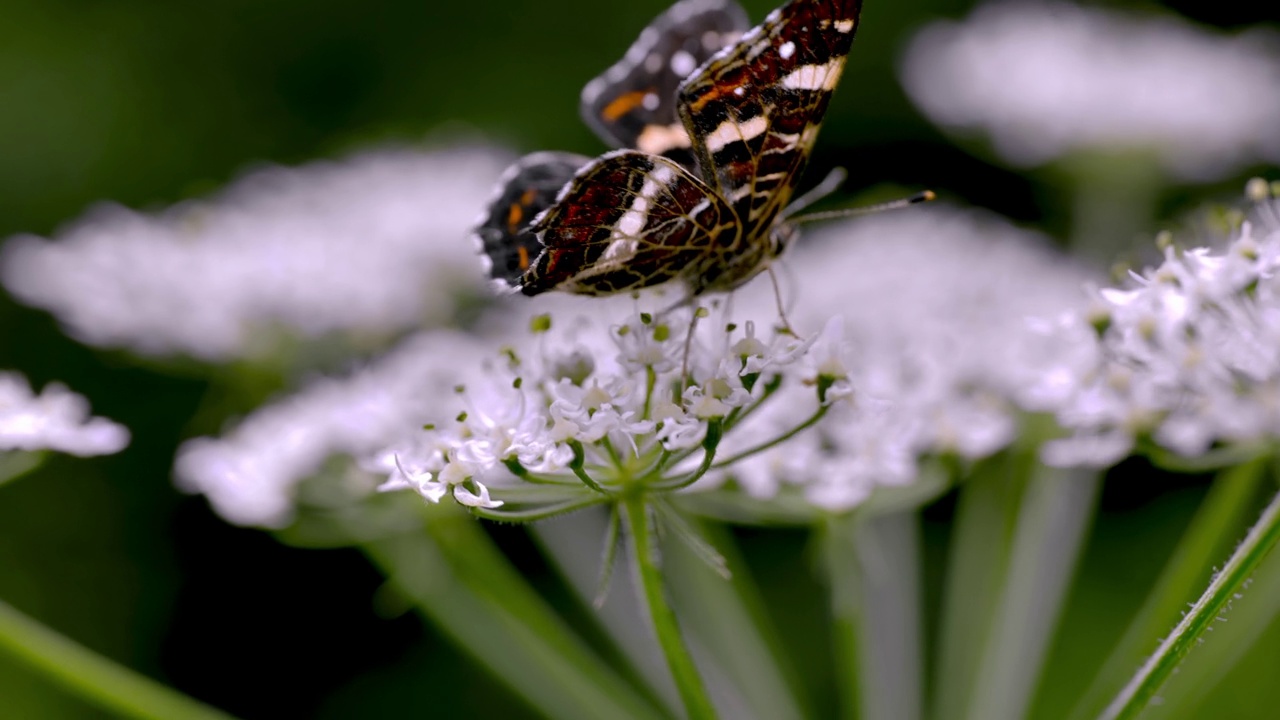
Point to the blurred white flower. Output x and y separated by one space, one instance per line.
1043 79
250 473
376 242
934 350
56 419
1187 356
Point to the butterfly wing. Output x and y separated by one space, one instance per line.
633 103
526 189
754 110
628 220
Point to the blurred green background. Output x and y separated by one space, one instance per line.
148 102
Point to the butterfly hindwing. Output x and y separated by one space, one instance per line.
633 103
526 189
754 110
629 220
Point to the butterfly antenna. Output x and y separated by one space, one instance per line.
829 184
920 197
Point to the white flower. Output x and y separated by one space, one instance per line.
373 243
933 351
1187 356
56 419
250 473
1043 79
421 482
632 418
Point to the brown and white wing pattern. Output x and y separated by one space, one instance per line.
753 111
526 189
633 219
629 220
633 103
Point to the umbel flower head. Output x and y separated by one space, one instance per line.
588 412
55 419
1186 357
932 354
1043 79
914 341
373 243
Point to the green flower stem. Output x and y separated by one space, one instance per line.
650 379
107 684
644 548
813 420
1054 516
1262 537
1214 459
715 431
520 471
726 618
578 466
457 579
738 414
979 551
569 543
1115 200
874 567
15 463
1252 621
519 494
537 513
1203 542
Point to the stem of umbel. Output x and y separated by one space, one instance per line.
568 436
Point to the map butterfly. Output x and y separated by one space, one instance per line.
716 126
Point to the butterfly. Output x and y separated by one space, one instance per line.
716 123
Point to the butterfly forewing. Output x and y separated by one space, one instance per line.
526 189
633 103
754 110
629 220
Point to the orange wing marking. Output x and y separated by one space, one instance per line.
623 104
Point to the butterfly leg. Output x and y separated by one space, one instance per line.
782 311
682 302
686 301
688 344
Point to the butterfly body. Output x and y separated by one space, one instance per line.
706 205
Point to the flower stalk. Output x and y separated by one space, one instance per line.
1134 698
873 566
1214 524
1053 519
456 578
644 548
94 678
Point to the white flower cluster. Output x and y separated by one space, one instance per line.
1045 78
1187 357
374 243
56 419
250 474
933 343
578 403
932 352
